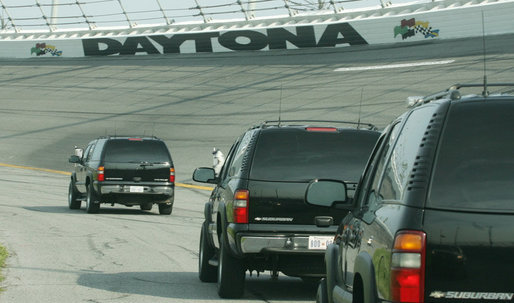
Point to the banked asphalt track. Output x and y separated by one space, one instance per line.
193 102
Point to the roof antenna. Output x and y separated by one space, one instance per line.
360 108
485 93
280 105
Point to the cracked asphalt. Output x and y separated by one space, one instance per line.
194 103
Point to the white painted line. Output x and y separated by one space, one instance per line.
390 66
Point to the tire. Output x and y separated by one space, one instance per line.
165 209
91 206
322 293
146 206
231 274
206 272
73 195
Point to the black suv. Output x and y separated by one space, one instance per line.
433 215
125 170
256 218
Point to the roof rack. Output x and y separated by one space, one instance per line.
279 123
451 93
126 136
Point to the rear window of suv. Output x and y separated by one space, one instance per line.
475 165
136 150
300 155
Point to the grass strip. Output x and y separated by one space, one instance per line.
3 256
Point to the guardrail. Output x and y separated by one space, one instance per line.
61 15
393 24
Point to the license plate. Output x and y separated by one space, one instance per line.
320 242
137 189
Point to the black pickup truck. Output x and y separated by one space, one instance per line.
257 219
125 170
433 218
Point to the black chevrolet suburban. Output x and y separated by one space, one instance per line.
256 218
433 217
125 170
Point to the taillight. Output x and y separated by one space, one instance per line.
100 172
172 175
408 267
240 206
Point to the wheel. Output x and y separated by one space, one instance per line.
206 272
146 206
231 274
73 203
322 294
165 209
91 206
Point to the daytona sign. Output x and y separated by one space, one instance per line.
333 35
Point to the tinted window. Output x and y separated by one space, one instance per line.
236 165
404 153
123 150
299 155
475 165
374 199
87 152
96 153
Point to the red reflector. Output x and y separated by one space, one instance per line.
241 215
321 129
406 285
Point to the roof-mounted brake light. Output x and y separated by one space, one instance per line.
321 129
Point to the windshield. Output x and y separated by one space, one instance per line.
475 165
300 155
124 150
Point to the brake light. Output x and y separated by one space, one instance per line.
240 206
408 267
135 139
172 175
100 173
321 129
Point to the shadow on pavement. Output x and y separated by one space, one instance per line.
186 285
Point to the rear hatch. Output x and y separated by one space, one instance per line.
469 257
287 159
136 160
470 209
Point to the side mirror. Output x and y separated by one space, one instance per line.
74 159
326 193
205 175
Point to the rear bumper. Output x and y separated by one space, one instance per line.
275 238
135 192
277 244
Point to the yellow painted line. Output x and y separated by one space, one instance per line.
193 186
37 169
60 172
